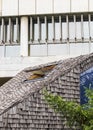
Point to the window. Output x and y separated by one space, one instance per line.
64 28
61 28
78 27
6 31
15 30
71 27
57 28
91 26
43 29
86 27
0 30
35 30
9 30
50 29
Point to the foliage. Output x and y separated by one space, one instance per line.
75 114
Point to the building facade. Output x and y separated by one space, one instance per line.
41 28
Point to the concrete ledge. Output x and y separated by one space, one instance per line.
10 66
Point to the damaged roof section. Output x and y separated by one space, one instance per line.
33 79
39 74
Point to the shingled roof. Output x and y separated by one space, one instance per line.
20 87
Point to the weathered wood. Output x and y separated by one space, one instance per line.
22 105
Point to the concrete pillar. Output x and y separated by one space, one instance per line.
24 37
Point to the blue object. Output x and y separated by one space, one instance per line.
86 81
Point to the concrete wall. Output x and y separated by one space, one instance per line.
23 7
79 6
10 51
9 7
0 7
10 66
26 7
11 62
40 50
61 49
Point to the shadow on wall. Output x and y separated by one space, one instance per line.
86 81
4 80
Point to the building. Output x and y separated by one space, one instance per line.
35 30
22 104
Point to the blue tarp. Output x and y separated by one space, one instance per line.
86 81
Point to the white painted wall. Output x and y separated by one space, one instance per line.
44 6
38 50
0 7
57 49
10 66
29 7
91 48
12 51
61 6
9 7
79 5
24 37
9 51
2 51
85 48
26 7
61 49
90 5
76 49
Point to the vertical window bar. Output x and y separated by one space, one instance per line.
31 29
53 28
10 30
46 29
82 31
60 21
89 18
17 30
75 26
2 31
39 29
67 21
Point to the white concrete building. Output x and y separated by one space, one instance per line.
37 31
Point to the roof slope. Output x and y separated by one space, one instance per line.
21 86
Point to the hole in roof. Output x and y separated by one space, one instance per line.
39 74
